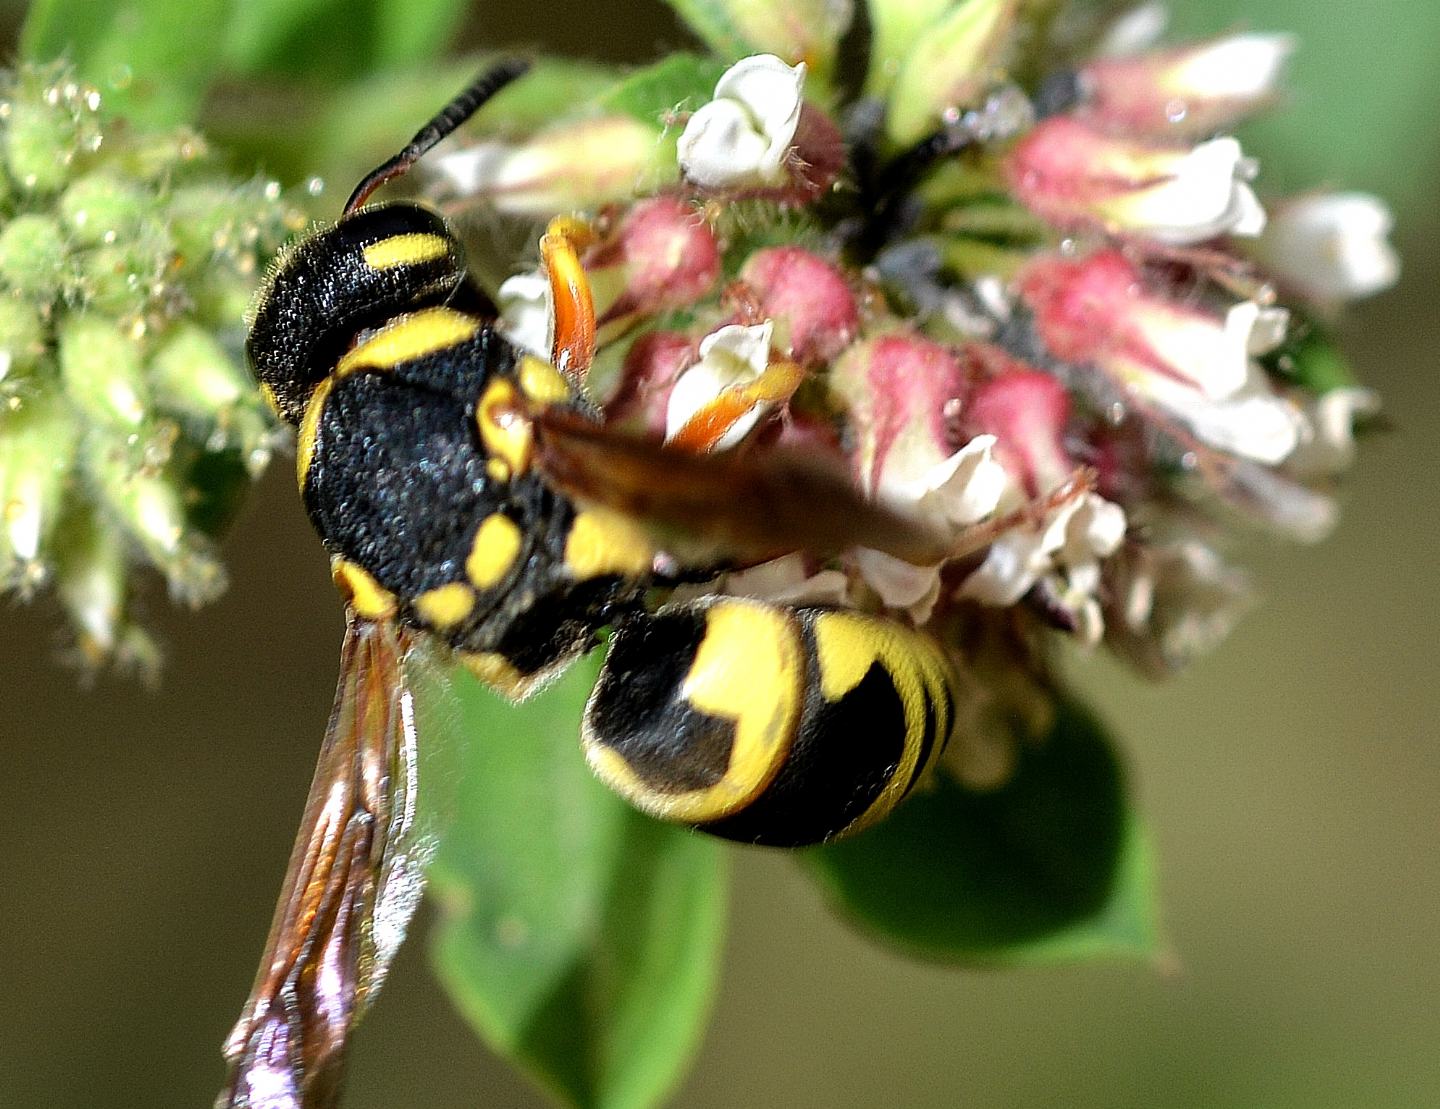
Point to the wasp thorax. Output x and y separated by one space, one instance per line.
359 274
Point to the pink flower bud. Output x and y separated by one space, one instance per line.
670 255
1190 363
1026 411
1189 91
650 370
808 298
1074 176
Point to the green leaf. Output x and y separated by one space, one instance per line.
895 25
1052 867
580 938
806 31
153 60
682 82
1311 359
713 26
359 36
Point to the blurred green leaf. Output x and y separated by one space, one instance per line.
580 938
152 60
1312 359
712 26
337 39
1052 867
682 82
895 25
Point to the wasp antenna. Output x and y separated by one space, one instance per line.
444 122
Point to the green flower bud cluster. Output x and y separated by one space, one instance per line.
129 427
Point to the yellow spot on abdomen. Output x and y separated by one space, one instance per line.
497 543
604 542
366 596
500 674
407 337
405 250
446 606
749 669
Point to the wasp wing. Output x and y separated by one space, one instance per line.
747 505
353 882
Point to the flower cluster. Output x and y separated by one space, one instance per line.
128 425
1046 310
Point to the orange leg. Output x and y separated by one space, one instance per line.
560 247
702 431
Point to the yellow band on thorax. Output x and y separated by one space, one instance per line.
407 337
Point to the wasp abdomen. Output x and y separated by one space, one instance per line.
371 266
768 724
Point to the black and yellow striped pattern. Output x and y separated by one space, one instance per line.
414 446
765 723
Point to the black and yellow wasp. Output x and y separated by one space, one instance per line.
470 494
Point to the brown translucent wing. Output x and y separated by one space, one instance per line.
353 882
753 506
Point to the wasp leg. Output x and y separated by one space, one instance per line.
707 428
574 347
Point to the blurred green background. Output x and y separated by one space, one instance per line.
1292 780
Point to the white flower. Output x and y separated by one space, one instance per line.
1072 174
735 355
1071 540
959 491
1251 422
742 137
1185 360
1135 30
1206 194
1238 67
1182 600
527 318
785 580
1332 246
1330 448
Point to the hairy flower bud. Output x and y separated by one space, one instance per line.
125 270
1187 92
579 164
1075 176
668 254
808 298
1192 363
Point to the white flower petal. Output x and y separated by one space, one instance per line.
914 589
1135 30
785 581
961 489
742 137
1012 565
732 355
526 316
1330 449
1240 67
1204 194
1333 246
1255 424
